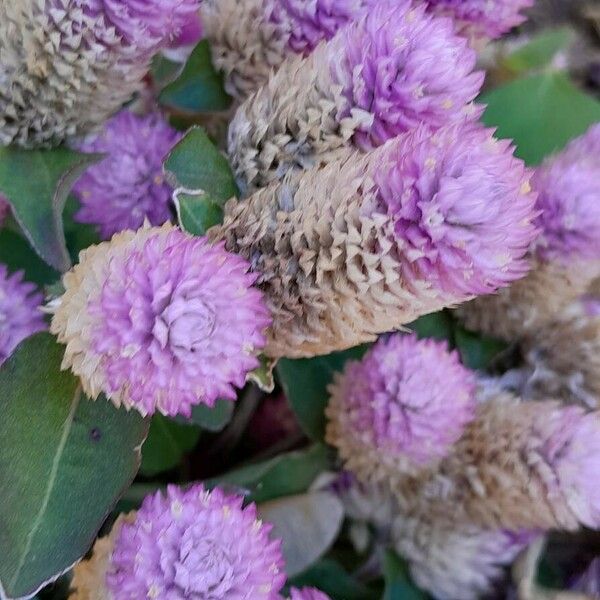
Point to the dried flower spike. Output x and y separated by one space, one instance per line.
67 65
393 69
20 314
400 409
160 321
371 242
128 187
251 38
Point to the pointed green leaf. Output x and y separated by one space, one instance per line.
540 51
212 419
196 211
37 183
64 462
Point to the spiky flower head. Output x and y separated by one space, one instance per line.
307 594
370 242
399 409
67 65
196 544
386 73
568 186
160 321
127 187
20 314
482 18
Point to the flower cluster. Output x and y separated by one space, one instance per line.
159 320
127 188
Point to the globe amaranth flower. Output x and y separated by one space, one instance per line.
482 18
159 320
195 544
399 409
90 58
384 74
372 241
250 39
20 314
127 187
307 594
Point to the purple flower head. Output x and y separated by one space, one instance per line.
310 22
196 544
4 209
406 399
484 18
20 316
401 67
462 206
307 594
127 187
151 23
568 187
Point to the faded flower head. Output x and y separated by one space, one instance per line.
568 186
462 206
127 187
400 408
307 594
160 321
402 67
482 18
196 544
20 314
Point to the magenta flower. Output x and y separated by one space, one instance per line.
20 316
128 187
568 186
401 67
484 18
401 407
159 320
195 544
307 594
462 207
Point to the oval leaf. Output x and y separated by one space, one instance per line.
64 462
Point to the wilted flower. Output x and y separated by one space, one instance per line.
370 242
307 594
128 187
250 39
20 314
159 320
393 69
400 409
90 58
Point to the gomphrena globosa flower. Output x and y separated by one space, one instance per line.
566 254
391 70
251 38
372 241
185 544
400 409
482 18
67 65
160 321
20 314
307 594
127 188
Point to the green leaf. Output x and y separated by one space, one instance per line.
78 235
196 212
305 382
439 326
164 70
197 166
476 351
262 376
166 444
37 183
212 419
398 585
540 51
284 475
64 462
199 88
540 113
307 524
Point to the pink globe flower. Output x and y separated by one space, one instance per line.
128 187
160 320
568 186
20 314
195 544
400 408
307 594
